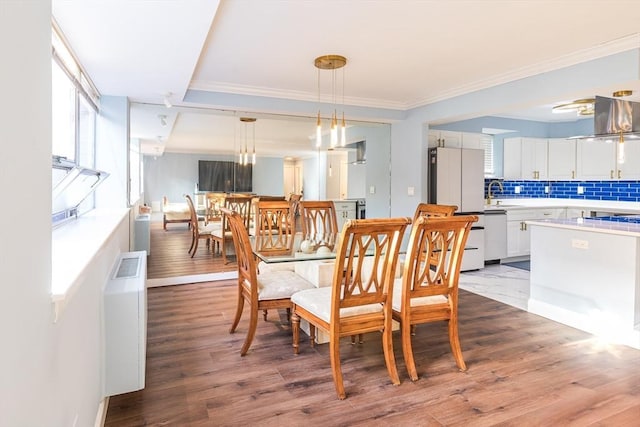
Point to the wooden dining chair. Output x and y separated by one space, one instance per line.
429 290
268 290
359 300
199 231
242 206
319 222
431 209
274 232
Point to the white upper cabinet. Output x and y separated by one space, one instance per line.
630 168
445 138
562 159
473 140
596 159
525 158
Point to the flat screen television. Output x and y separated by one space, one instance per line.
224 176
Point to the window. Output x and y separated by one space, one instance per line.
487 143
74 108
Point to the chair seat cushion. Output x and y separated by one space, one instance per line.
263 267
415 302
277 284
217 232
209 228
318 302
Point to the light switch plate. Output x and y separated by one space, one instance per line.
516 189
580 189
410 191
372 189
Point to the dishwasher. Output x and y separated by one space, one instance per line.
495 235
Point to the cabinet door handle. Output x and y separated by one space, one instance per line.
573 174
611 174
619 174
521 226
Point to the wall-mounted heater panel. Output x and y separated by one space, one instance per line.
125 324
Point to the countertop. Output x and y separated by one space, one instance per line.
592 205
590 224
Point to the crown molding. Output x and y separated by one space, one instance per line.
290 94
622 44
605 49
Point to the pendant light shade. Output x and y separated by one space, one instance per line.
244 155
332 63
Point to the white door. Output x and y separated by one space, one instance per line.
289 180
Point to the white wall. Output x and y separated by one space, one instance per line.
50 372
28 367
175 174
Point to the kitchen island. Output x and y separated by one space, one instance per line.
585 273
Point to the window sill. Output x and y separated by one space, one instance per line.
73 247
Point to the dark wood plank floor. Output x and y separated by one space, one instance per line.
523 370
169 256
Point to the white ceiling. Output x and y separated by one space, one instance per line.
401 54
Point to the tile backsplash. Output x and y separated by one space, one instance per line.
628 191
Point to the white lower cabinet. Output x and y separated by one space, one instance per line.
345 210
518 233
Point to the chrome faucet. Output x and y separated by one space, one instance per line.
489 195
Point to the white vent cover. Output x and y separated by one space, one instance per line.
125 324
127 268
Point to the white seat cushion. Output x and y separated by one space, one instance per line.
279 284
318 302
217 232
415 302
263 267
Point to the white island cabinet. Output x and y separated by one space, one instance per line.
585 273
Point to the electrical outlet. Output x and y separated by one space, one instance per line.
516 189
579 244
372 190
410 191
580 189
546 189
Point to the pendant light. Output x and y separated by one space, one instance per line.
621 149
333 63
244 157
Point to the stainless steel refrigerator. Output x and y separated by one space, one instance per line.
456 177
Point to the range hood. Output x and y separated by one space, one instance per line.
361 152
614 116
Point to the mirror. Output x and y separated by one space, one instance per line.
173 140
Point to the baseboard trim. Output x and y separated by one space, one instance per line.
101 416
194 278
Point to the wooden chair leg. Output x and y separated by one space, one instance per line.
312 334
407 352
336 371
195 248
223 249
389 357
454 341
253 324
295 326
264 315
239 307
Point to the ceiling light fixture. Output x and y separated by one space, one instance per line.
167 100
622 93
333 63
584 107
163 120
244 159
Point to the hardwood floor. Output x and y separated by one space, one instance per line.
523 370
169 253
